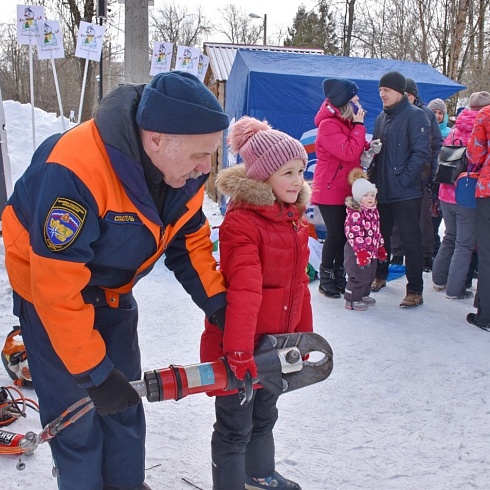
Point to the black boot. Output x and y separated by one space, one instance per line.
340 281
327 283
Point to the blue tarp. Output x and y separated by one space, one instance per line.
286 88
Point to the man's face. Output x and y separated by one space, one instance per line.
182 157
389 96
411 98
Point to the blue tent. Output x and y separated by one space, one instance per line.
286 88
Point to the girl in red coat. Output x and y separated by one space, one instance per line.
263 257
339 146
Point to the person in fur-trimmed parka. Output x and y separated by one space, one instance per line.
364 244
263 258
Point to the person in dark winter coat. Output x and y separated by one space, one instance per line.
263 244
97 207
430 168
340 144
397 173
364 245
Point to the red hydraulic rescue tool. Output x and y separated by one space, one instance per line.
281 366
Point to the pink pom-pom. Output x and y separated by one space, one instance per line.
243 130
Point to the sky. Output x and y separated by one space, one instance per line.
280 13
407 406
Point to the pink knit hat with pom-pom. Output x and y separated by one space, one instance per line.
263 149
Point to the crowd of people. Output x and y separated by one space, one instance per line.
408 135
101 203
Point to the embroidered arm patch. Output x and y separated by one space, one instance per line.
63 224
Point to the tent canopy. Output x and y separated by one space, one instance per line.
286 89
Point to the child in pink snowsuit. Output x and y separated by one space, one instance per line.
364 245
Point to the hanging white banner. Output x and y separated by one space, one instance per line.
161 59
90 41
51 45
30 23
202 66
187 59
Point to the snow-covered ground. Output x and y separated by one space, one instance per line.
407 405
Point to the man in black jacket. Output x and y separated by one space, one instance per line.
404 131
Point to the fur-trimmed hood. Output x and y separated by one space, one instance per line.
233 182
351 203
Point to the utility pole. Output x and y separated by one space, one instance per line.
5 174
136 38
101 15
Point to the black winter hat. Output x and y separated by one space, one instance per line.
411 87
179 103
393 80
339 90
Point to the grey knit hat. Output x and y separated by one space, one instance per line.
479 100
437 105
179 103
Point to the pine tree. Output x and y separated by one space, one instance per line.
313 30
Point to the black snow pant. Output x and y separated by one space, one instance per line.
426 227
242 442
482 298
406 216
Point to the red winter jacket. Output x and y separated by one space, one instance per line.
479 151
339 146
263 257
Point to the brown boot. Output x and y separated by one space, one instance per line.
377 284
411 300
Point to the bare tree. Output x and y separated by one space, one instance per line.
14 66
348 25
174 24
238 27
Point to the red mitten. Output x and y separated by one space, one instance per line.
363 258
240 363
382 255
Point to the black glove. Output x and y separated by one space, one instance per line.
114 395
218 318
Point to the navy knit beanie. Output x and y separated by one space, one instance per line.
339 91
394 80
178 103
411 87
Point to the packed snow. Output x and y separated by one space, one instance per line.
406 406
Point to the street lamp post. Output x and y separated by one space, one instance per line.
255 16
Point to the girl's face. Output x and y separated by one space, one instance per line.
369 199
439 115
287 181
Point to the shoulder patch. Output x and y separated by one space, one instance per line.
63 223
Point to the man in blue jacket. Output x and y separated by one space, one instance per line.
97 207
404 130
430 168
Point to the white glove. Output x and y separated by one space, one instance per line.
366 158
375 145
